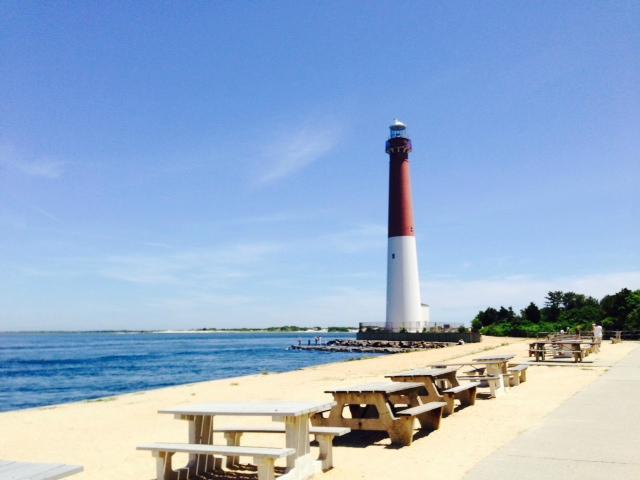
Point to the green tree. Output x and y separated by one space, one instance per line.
551 310
506 314
583 317
488 317
553 299
571 300
618 306
531 314
633 320
476 325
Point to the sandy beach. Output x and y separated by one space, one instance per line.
102 435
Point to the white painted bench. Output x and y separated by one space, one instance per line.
36 471
323 435
519 374
430 413
263 458
466 393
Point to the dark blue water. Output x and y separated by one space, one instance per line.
39 369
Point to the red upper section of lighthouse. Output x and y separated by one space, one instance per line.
401 222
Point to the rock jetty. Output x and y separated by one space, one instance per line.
372 346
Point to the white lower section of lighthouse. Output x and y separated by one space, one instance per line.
403 286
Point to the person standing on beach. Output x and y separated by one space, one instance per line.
597 333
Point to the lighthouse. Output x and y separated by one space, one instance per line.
404 309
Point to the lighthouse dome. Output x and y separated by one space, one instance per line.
397 129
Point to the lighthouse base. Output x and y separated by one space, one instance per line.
404 312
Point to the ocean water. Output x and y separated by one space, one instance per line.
38 369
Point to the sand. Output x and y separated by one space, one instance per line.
102 435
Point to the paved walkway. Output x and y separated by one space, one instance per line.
593 435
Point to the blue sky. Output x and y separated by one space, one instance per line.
194 164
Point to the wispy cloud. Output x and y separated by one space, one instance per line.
12 160
296 150
276 217
360 238
332 305
193 267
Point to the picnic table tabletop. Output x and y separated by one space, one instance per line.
381 387
574 340
441 366
495 358
426 372
285 409
36 471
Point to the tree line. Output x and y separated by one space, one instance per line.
568 311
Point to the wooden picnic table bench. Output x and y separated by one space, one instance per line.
296 418
36 471
323 435
264 458
519 374
441 385
388 406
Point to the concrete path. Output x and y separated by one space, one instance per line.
593 435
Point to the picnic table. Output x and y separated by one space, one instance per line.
557 348
497 366
386 406
441 385
490 371
295 415
36 471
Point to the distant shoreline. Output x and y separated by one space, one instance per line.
189 331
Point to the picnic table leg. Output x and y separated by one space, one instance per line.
325 443
201 432
233 439
496 386
164 471
577 353
401 431
297 437
428 419
435 396
468 397
450 398
265 468
335 414
431 419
